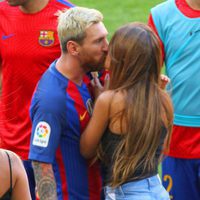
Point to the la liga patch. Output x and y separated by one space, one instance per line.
42 134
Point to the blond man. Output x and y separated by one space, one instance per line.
61 108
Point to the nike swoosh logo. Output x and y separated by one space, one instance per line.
5 37
83 116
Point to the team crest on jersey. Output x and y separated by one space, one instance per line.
89 105
42 134
46 38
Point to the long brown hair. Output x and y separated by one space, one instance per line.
135 65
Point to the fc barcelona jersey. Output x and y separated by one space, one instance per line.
60 110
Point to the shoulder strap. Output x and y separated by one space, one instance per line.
9 160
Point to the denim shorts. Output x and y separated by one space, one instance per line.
146 189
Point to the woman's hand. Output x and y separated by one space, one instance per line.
97 85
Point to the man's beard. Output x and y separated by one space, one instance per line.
92 67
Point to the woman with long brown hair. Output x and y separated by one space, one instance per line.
132 121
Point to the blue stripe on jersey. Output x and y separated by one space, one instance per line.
75 164
76 170
58 180
72 124
66 3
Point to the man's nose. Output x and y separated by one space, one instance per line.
105 46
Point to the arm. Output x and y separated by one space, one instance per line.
91 136
45 139
42 156
45 180
20 181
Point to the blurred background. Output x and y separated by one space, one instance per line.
120 12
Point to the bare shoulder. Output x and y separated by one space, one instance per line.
15 161
19 177
111 97
16 164
106 97
14 157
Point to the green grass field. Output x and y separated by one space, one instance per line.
119 12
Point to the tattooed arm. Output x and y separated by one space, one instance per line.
45 180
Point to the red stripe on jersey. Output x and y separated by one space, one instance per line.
94 184
62 174
83 114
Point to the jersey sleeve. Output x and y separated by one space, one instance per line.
153 27
45 136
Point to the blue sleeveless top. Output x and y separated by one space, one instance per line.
181 39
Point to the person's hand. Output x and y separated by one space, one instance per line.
164 80
96 83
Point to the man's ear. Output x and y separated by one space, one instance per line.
73 47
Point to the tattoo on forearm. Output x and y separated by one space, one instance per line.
45 181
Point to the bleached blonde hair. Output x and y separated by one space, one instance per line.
72 24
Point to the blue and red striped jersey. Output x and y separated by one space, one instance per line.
60 110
